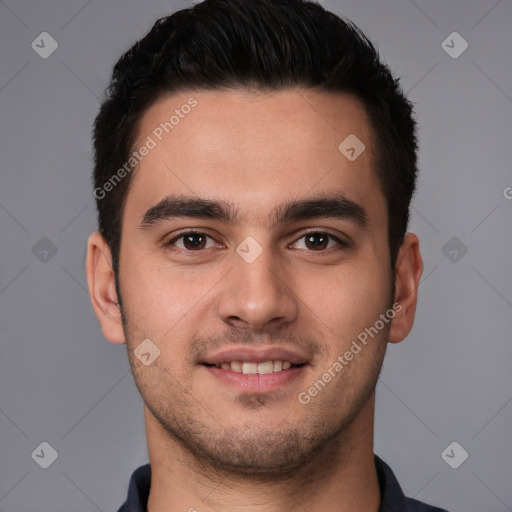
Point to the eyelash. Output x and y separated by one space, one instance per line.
170 243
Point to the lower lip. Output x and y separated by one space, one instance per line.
256 383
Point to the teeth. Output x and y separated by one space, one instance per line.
266 367
236 366
250 368
278 366
256 368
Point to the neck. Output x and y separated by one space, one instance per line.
342 473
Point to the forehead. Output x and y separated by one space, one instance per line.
255 149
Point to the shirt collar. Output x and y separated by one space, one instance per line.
392 496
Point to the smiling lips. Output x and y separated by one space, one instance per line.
263 368
256 369
251 361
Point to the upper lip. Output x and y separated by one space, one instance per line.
255 355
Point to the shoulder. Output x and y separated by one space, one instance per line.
418 506
392 497
138 490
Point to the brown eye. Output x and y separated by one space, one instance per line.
190 241
194 241
319 241
316 241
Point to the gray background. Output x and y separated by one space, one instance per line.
62 383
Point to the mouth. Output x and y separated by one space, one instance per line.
252 370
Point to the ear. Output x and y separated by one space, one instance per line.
102 289
408 270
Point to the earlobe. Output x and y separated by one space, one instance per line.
102 290
408 270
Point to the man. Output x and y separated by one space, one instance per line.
254 166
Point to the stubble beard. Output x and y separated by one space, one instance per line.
254 452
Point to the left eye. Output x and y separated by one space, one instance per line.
319 240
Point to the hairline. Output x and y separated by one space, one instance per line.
373 148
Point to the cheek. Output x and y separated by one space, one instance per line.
164 302
348 300
153 302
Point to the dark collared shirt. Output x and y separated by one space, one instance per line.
392 497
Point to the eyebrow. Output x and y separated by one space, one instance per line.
326 206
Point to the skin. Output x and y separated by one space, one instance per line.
213 447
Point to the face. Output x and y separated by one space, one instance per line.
254 255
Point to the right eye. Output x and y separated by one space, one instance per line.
190 241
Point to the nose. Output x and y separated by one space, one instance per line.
258 294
